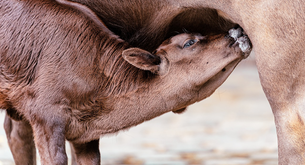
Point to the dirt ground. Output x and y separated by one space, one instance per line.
234 126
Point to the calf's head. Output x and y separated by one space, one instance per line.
190 65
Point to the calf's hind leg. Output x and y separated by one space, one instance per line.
20 139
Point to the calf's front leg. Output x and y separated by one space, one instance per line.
86 153
49 136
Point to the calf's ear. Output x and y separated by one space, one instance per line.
144 60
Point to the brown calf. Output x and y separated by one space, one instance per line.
276 29
68 77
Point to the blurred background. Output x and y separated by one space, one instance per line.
234 126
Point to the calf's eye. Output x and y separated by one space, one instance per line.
189 43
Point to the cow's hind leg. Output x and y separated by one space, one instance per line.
285 89
282 76
20 139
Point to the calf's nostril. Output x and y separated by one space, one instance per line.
224 69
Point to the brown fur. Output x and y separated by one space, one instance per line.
276 29
71 78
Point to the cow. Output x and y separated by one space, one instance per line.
274 27
147 23
66 76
